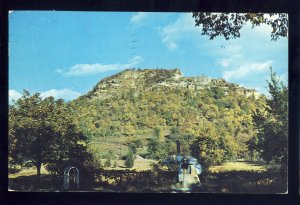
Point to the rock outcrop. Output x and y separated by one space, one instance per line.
144 79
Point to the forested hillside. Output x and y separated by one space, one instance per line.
213 119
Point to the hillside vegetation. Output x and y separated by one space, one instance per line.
213 119
119 134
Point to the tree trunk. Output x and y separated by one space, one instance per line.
120 183
38 169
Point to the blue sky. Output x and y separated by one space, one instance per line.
64 54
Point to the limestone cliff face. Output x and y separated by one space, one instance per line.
140 80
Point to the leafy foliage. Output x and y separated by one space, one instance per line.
129 162
153 148
228 25
42 131
213 123
272 124
132 147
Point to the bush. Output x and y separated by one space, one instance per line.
107 162
13 169
138 143
129 160
153 146
115 164
132 147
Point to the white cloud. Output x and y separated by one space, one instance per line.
261 30
182 28
225 62
58 71
232 54
246 70
65 94
91 69
260 88
13 95
138 17
234 49
134 61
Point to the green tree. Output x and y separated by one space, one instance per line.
174 132
128 130
207 150
132 147
252 146
42 131
272 125
109 157
228 25
216 92
129 159
156 132
153 147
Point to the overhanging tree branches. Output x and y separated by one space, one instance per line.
229 25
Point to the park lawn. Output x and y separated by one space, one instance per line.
239 166
140 164
27 172
231 177
143 164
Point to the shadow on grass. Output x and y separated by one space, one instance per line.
49 183
33 183
263 182
254 163
45 183
249 182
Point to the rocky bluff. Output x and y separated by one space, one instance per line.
145 79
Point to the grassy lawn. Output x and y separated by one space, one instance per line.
140 164
27 172
244 177
145 164
239 166
231 177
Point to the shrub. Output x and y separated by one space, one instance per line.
107 162
132 147
129 159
